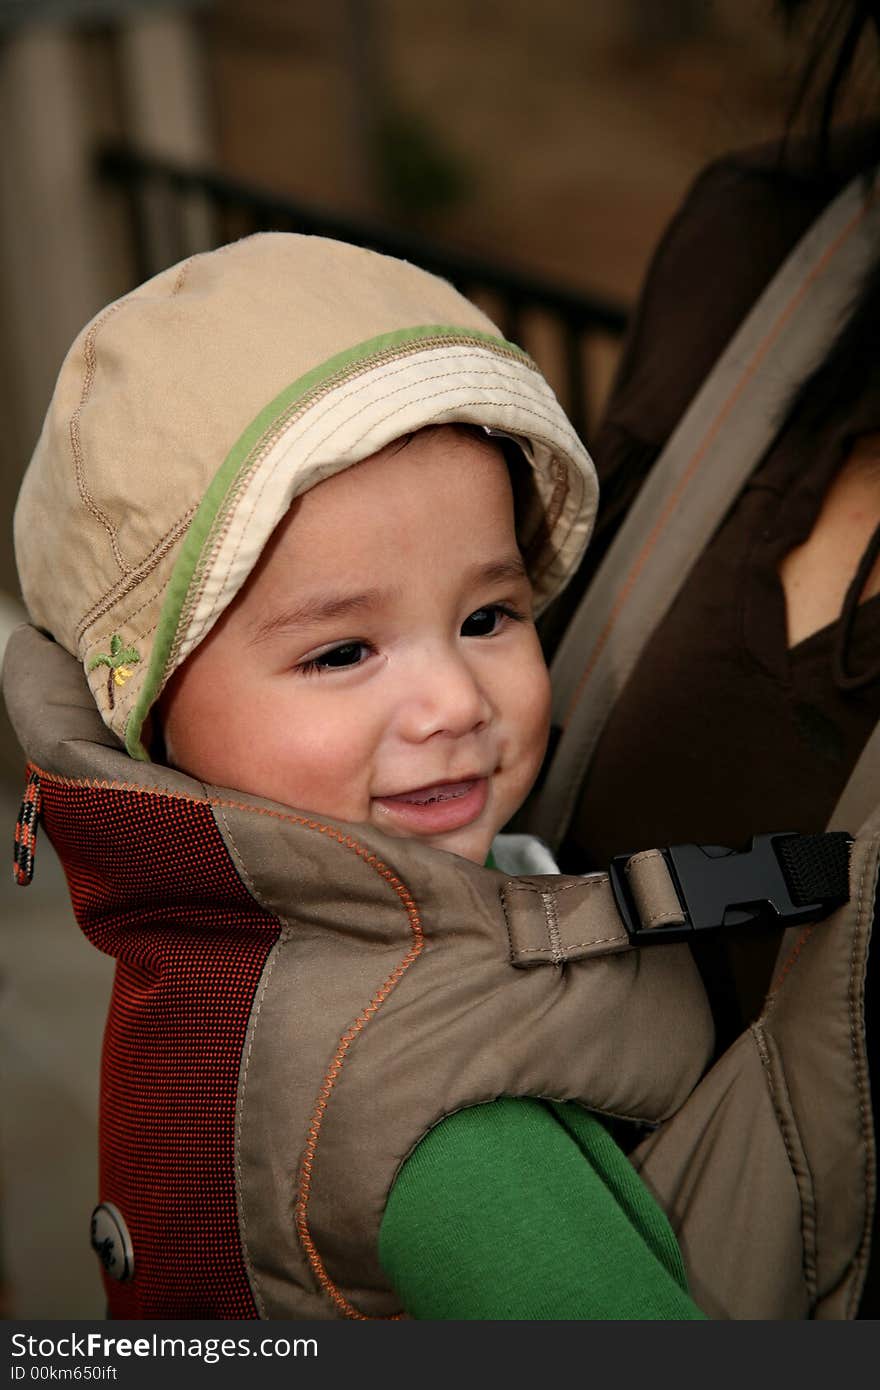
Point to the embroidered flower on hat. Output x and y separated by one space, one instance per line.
120 660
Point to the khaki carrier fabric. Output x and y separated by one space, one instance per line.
768 1173
409 991
757 1149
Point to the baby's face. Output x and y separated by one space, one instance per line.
381 663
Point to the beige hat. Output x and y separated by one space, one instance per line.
189 414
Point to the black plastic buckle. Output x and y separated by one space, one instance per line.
718 887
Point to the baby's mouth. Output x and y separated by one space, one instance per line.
442 791
434 810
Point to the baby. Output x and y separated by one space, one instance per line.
381 663
293 509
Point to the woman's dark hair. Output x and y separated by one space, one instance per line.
842 28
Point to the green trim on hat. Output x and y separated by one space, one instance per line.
222 490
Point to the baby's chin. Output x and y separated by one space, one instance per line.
471 842
474 848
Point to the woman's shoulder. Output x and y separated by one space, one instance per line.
736 224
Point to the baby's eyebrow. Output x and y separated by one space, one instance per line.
496 571
317 608
323 608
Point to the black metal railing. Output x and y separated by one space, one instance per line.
176 210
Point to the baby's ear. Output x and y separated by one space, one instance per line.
529 513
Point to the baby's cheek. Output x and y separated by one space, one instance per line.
323 770
538 703
535 726
527 722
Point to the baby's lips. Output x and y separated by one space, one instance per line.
439 791
437 809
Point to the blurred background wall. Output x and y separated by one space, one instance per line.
555 136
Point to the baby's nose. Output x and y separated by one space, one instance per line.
445 698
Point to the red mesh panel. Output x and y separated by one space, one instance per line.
153 885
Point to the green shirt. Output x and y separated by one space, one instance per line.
528 1209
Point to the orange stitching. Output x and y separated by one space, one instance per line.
792 960
698 457
181 275
102 784
348 1037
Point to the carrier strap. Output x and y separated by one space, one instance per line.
715 447
660 896
860 796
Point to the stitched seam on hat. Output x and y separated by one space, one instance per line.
133 573
556 503
298 408
374 424
181 276
136 576
91 361
325 439
348 375
127 617
85 391
268 442
91 364
254 501
560 542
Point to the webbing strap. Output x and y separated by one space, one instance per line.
815 866
711 453
663 895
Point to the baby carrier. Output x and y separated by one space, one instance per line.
274 1050
719 440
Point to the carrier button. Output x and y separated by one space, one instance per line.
111 1241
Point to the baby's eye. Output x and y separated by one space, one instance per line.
485 622
336 658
